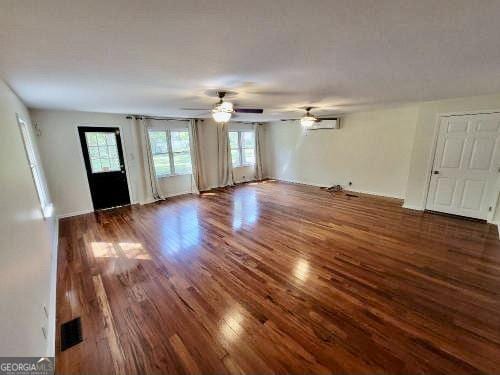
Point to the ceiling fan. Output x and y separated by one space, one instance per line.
309 119
223 110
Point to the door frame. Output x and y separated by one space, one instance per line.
430 164
96 124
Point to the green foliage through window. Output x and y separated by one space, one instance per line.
242 148
171 152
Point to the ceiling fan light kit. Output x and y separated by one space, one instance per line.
221 116
307 121
311 122
223 111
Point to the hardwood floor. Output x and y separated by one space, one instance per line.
278 278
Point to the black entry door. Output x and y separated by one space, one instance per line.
103 154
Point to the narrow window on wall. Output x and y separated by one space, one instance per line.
35 167
242 148
171 152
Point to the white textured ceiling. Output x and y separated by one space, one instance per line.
154 57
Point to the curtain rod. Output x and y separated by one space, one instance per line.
137 117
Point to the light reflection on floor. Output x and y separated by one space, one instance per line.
231 325
245 208
130 250
301 270
180 229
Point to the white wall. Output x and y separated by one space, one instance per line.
27 244
386 152
372 150
421 160
63 159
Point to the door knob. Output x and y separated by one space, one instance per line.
435 172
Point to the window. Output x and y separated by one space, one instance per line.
171 153
36 170
103 152
242 148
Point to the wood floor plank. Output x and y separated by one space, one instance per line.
279 278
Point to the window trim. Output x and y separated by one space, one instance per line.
170 152
241 148
35 168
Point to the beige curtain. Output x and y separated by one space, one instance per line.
197 165
225 166
259 145
143 186
153 187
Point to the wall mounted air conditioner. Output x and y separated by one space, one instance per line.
326 123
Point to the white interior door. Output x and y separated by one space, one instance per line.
466 165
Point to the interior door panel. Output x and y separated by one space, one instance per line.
445 190
482 152
471 197
465 165
452 153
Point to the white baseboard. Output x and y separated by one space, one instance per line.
497 225
375 193
179 193
75 213
301 182
413 207
152 200
51 326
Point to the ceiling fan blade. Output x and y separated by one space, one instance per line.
249 110
195 109
327 117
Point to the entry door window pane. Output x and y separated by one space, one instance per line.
103 152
